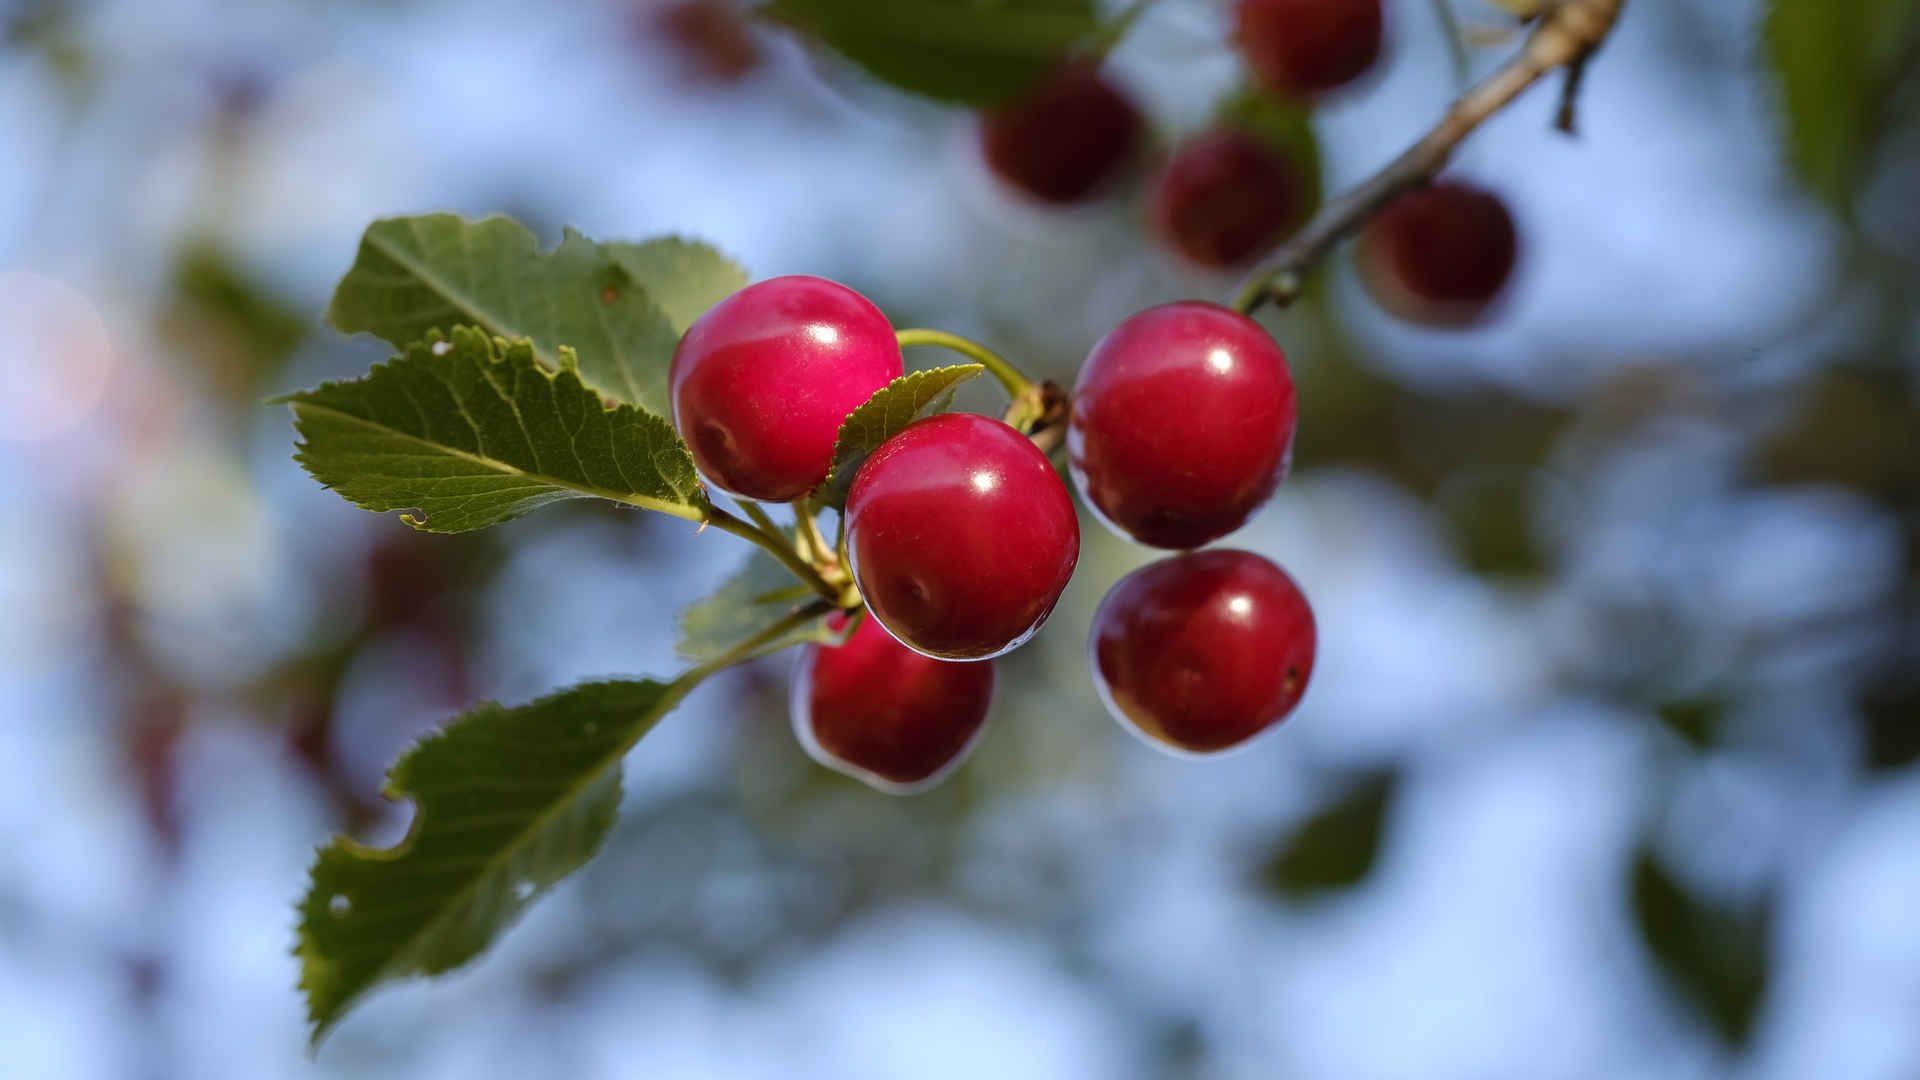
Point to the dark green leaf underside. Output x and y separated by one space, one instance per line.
506 803
471 431
880 417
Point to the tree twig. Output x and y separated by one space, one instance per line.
1566 34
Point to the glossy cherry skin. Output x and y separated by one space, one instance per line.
961 536
1439 256
1201 652
761 382
1060 141
1227 197
1183 422
881 713
1299 48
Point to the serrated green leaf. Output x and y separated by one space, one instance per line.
962 51
880 417
1284 125
506 803
1715 956
759 595
434 272
683 277
1337 847
473 431
1837 63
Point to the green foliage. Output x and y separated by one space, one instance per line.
759 595
682 277
507 802
1337 847
1716 957
880 417
1889 707
473 432
1284 125
970 52
1696 721
241 333
621 307
1838 64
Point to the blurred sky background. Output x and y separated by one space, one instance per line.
1605 770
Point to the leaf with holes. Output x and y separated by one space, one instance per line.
417 274
506 803
953 50
880 417
682 277
472 431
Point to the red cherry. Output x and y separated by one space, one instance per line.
882 713
1226 197
1439 256
961 536
1202 652
1183 421
1298 48
1059 141
761 382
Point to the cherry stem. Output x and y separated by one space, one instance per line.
1565 36
1456 42
1009 376
770 537
808 532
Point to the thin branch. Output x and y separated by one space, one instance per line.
1566 34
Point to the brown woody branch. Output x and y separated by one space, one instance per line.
1566 34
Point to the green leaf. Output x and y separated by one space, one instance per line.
682 277
1837 64
1337 847
417 274
472 432
965 51
506 803
1697 721
761 594
1717 957
880 417
1284 125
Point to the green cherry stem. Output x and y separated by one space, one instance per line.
775 544
1009 376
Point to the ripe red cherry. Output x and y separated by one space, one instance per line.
1439 256
880 712
761 382
1298 48
1183 421
1059 141
961 536
1201 652
1226 197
